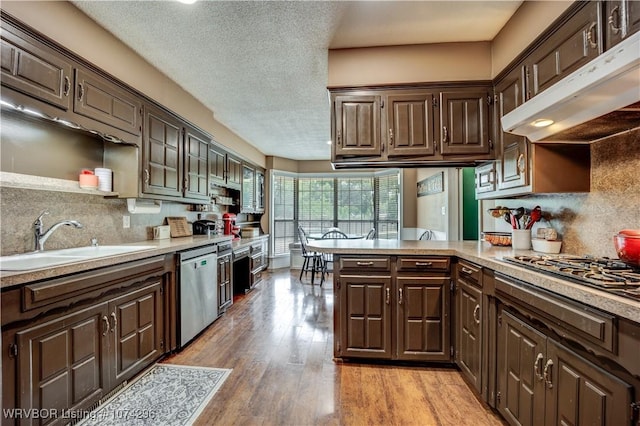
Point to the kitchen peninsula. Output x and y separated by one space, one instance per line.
409 300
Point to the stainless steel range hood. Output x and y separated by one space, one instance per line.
598 100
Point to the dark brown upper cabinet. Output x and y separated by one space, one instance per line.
260 193
513 158
573 44
196 172
357 125
104 101
175 157
465 122
162 153
621 19
410 123
224 169
35 70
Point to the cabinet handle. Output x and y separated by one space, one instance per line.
424 263
476 314
445 134
115 321
521 164
80 92
388 298
390 137
339 138
382 147
591 36
614 20
547 373
67 85
364 263
537 366
146 176
400 296
466 271
105 323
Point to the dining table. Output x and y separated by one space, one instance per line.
349 236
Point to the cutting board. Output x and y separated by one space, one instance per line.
179 227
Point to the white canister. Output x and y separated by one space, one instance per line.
521 239
105 179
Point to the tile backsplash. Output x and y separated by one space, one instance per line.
101 217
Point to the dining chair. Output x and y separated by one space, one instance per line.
312 261
371 235
426 235
328 257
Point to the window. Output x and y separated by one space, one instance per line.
283 207
353 202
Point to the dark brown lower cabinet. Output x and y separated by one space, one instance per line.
70 341
71 361
542 382
469 332
225 283
391 308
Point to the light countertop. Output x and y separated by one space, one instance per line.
483 254
159 247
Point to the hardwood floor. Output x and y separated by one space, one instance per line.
278 341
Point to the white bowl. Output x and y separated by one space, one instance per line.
545 246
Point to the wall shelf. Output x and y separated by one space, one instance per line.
21 181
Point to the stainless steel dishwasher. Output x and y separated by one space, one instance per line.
198 292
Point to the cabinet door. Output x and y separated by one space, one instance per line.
259 191
225 291
357 126
579 393
365 325
464 122
410 122
513 153
520 359
217 165
34 69
469 332
486 178
162 153
423 318
234 172
196 162
104 101
622 18
63 362
574 44
248 189
137 330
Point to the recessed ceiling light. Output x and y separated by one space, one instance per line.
188 1
542 122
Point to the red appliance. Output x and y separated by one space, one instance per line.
230 227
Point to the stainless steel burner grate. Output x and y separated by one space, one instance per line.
600 272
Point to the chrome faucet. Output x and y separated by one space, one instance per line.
41 237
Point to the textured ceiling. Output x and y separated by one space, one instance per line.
261 66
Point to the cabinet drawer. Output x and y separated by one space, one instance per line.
256 261
45 293
470 272
363 264
595 326
256 248
423 263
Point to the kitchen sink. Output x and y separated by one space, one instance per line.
49 258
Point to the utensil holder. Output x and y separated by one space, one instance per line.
521 239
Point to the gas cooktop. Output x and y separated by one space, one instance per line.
606 274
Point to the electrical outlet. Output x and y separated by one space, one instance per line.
126 222
444 210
